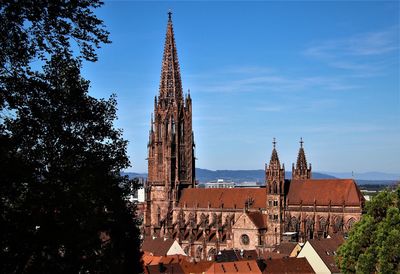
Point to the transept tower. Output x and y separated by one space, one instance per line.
301 171
171 162
275 184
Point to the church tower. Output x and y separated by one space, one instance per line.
301 171
275 184
171 161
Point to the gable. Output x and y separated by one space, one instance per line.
176 249
244 222
157 246
313 258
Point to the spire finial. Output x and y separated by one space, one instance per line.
301 141
274 142
169 15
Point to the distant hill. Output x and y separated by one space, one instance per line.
376 182
258 175
367 176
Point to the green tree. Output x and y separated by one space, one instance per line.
63 201
373 244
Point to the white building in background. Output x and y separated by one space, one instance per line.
220 183
138 195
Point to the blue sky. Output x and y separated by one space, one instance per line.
324 71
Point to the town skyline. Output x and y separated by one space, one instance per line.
317 82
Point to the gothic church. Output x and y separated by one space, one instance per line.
205 221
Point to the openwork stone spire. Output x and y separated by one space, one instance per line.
274 171
171 161
170 83
274 156
301 171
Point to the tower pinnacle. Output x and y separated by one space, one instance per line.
301 171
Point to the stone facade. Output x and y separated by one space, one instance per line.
171 164
205 221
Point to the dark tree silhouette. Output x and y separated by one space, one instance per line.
63 200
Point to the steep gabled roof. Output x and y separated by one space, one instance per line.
233 255
196 267
157 246
244 267
288 266
149 259
175 268
285 248
326 250
223 197
324 192
258 219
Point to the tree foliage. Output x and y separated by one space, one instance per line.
374 242
63 201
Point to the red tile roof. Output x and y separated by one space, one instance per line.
326 250
223 197
288 266
243 267
157 246
232 255
268 255
175 268
324 192
285 248
196 267
149 259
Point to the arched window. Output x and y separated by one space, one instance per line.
294 224
173 125
275 188
244 239
199 252
350 223
310 227
187 249
211 254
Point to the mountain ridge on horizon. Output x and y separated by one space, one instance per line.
258 175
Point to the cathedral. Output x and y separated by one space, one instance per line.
205 221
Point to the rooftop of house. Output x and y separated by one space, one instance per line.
149 259
175 268
232 255
326 250
288 266
285 248
258 219
243 267
157 246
